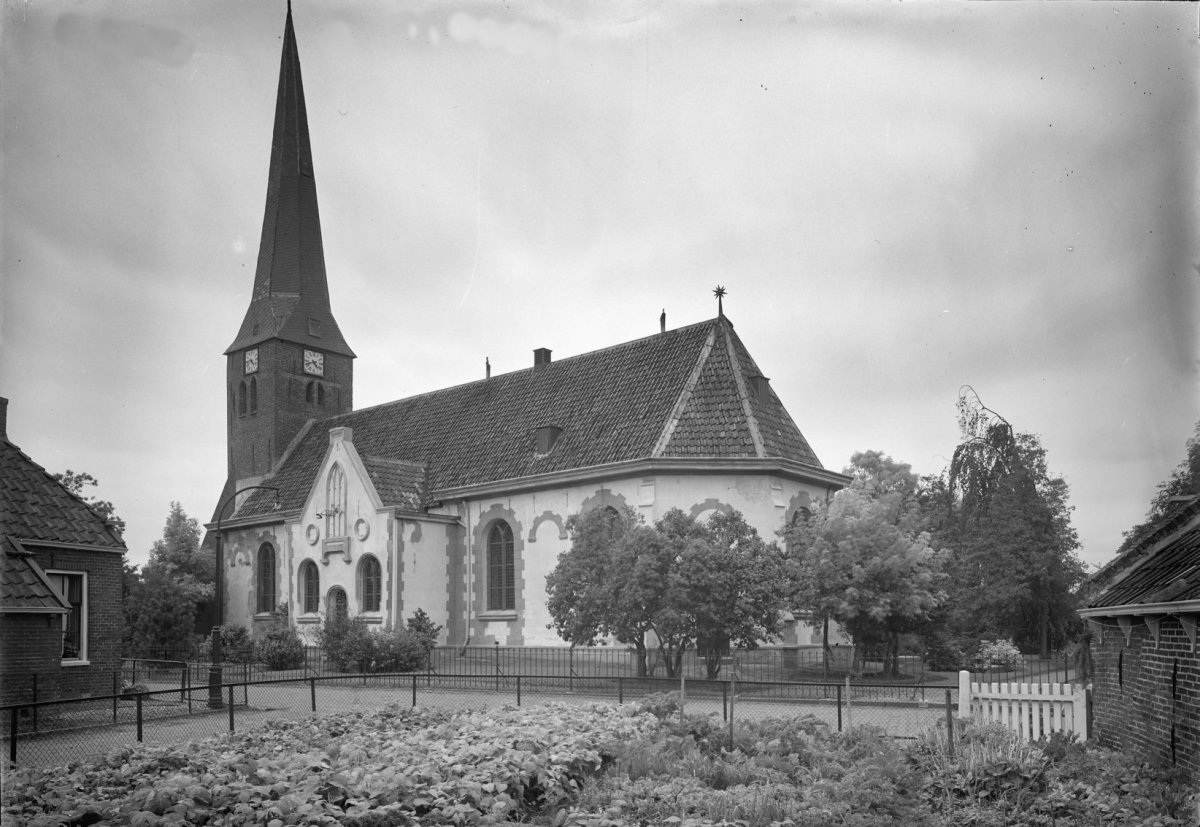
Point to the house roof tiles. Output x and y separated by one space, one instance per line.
1165 568
681 393
24 587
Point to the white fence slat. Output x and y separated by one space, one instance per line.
1033 711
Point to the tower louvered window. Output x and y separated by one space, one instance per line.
501 574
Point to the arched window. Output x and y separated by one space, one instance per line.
266 579
253 395
310 587
242 398
370 584
339 606
320 394
335 502
501 574
310 392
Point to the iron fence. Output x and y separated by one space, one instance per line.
53 733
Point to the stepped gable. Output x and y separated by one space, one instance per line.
34 506
621 403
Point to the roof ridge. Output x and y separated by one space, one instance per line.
743 393
685 396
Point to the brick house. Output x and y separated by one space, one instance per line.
1144 610
455 502
61 620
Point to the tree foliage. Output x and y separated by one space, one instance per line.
162 603
77 482
865 559
1184 482
679 582
1014 566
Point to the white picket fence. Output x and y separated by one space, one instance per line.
1030 709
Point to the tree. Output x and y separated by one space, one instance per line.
680 581
1007 521
865 560
1184 482
76 482
161 606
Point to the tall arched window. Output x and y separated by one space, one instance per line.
370 584
242 398
320 394
266 579
253 395
339 606
335 502
310 587
310 392
501 574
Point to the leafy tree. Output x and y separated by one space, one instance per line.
864 559
161 607
1008 522
1184 482
76 482
680 581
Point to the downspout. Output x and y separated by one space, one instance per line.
470 584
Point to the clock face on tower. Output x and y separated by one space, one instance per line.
251 360
314 363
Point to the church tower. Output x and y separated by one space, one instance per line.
289 362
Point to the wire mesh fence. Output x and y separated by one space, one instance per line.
53 733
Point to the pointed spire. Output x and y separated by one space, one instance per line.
719 292
291 293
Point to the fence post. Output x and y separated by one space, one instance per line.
724 702
231 688
682 691
14 718
35 700
732 699
949 726
188 673
839 706
116 689
518 690
497 651
964 694
414 690
849 706
312 692
140 695
620 690
182 682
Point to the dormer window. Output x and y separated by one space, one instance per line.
547 437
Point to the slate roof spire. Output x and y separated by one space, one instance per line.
291 294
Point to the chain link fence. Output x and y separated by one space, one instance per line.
53 733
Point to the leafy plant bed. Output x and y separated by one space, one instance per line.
562 765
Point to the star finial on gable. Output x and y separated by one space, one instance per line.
719 292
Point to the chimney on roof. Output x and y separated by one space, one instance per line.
662 321
541 356
3 418
487 368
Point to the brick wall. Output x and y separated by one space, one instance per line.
30 644
105 630
1146 695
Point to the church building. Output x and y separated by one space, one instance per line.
456 501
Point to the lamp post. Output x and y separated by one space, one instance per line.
215 677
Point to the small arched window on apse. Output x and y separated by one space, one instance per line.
253 395
501 569
370 584
335 502
310 392
339 606
801 516
241 401
310 587
265 575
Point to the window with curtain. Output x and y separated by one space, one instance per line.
267 600
72 586
370 584
310 587
501 574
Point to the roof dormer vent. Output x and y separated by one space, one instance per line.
541 356
547 437
759 386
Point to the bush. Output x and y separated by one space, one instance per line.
996 654
281 649
352 646
236 644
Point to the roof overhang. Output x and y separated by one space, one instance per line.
777 466
1179 607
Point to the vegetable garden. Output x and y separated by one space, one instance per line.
597 765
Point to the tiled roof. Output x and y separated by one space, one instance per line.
681 393
24 587
35 506
1163 569
398 483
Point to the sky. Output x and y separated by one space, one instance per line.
901 198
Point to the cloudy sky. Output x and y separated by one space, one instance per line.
901 198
